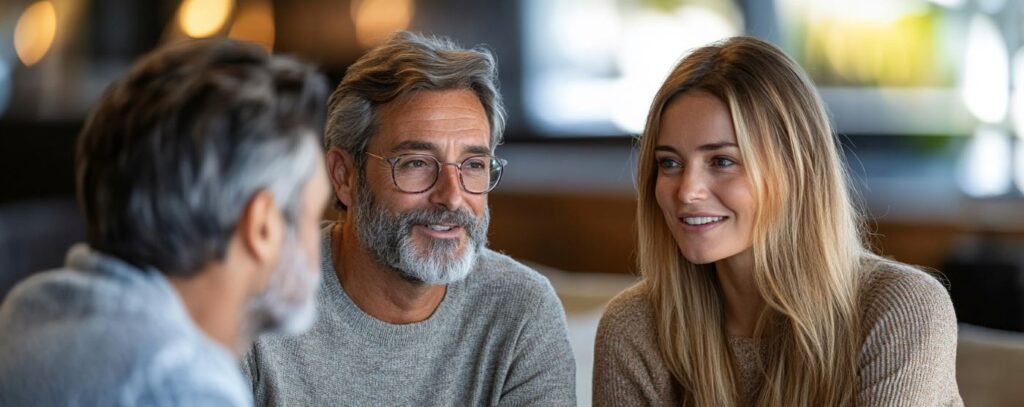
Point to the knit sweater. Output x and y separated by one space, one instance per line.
908 357
103 332
499 337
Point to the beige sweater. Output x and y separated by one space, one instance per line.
908 357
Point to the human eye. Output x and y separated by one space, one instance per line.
668 163
415 162
475 163
722 162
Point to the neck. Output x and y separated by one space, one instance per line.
215 304
743 302
377 289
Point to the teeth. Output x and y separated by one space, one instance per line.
702 220
440 228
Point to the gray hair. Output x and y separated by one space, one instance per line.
407 62
170 157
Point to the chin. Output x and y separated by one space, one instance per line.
699 257
699 260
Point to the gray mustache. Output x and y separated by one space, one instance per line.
461 218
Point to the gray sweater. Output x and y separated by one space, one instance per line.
499 337
101 332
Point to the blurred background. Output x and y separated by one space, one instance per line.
927 95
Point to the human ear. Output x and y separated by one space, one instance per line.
342 173
261 228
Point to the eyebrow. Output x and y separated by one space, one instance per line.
418 145
704 147
477 149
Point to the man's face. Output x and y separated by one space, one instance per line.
435 235
288 303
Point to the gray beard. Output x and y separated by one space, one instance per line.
288 305
388 237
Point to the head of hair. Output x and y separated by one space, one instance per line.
807 245
176 148
404 63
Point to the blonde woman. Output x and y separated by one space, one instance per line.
757 286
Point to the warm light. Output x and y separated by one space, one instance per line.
879 43
861 11
986 167
255 23
986 71
203 18
35 31
376 19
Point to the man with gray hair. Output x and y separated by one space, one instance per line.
202 185
414 309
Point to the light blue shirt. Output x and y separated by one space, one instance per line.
103 332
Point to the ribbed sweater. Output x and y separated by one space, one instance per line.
908 356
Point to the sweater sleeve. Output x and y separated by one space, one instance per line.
909 352
543 371
628 368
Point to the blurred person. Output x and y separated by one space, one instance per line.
758 288
414 308
202 184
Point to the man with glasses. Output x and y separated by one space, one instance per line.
414 309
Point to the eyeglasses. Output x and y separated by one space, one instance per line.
415 173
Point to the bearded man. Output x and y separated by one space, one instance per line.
202 186
414 309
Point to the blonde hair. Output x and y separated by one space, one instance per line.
807 245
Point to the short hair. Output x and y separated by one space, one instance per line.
176 148
407 62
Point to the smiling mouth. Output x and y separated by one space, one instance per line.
441 231
702 220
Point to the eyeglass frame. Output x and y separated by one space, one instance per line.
393 160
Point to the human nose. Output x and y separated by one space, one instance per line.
692 186
447 192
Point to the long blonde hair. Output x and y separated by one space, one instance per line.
807 244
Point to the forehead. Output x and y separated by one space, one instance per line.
440 117
695 118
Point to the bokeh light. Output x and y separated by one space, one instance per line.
203 18
255 23
35 31
375 19
986 83
985 169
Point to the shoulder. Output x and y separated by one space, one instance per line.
909 334
896 290
43 293
189 373
628 366
630 312
147 362
628 326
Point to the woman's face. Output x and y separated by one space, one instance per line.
702 188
